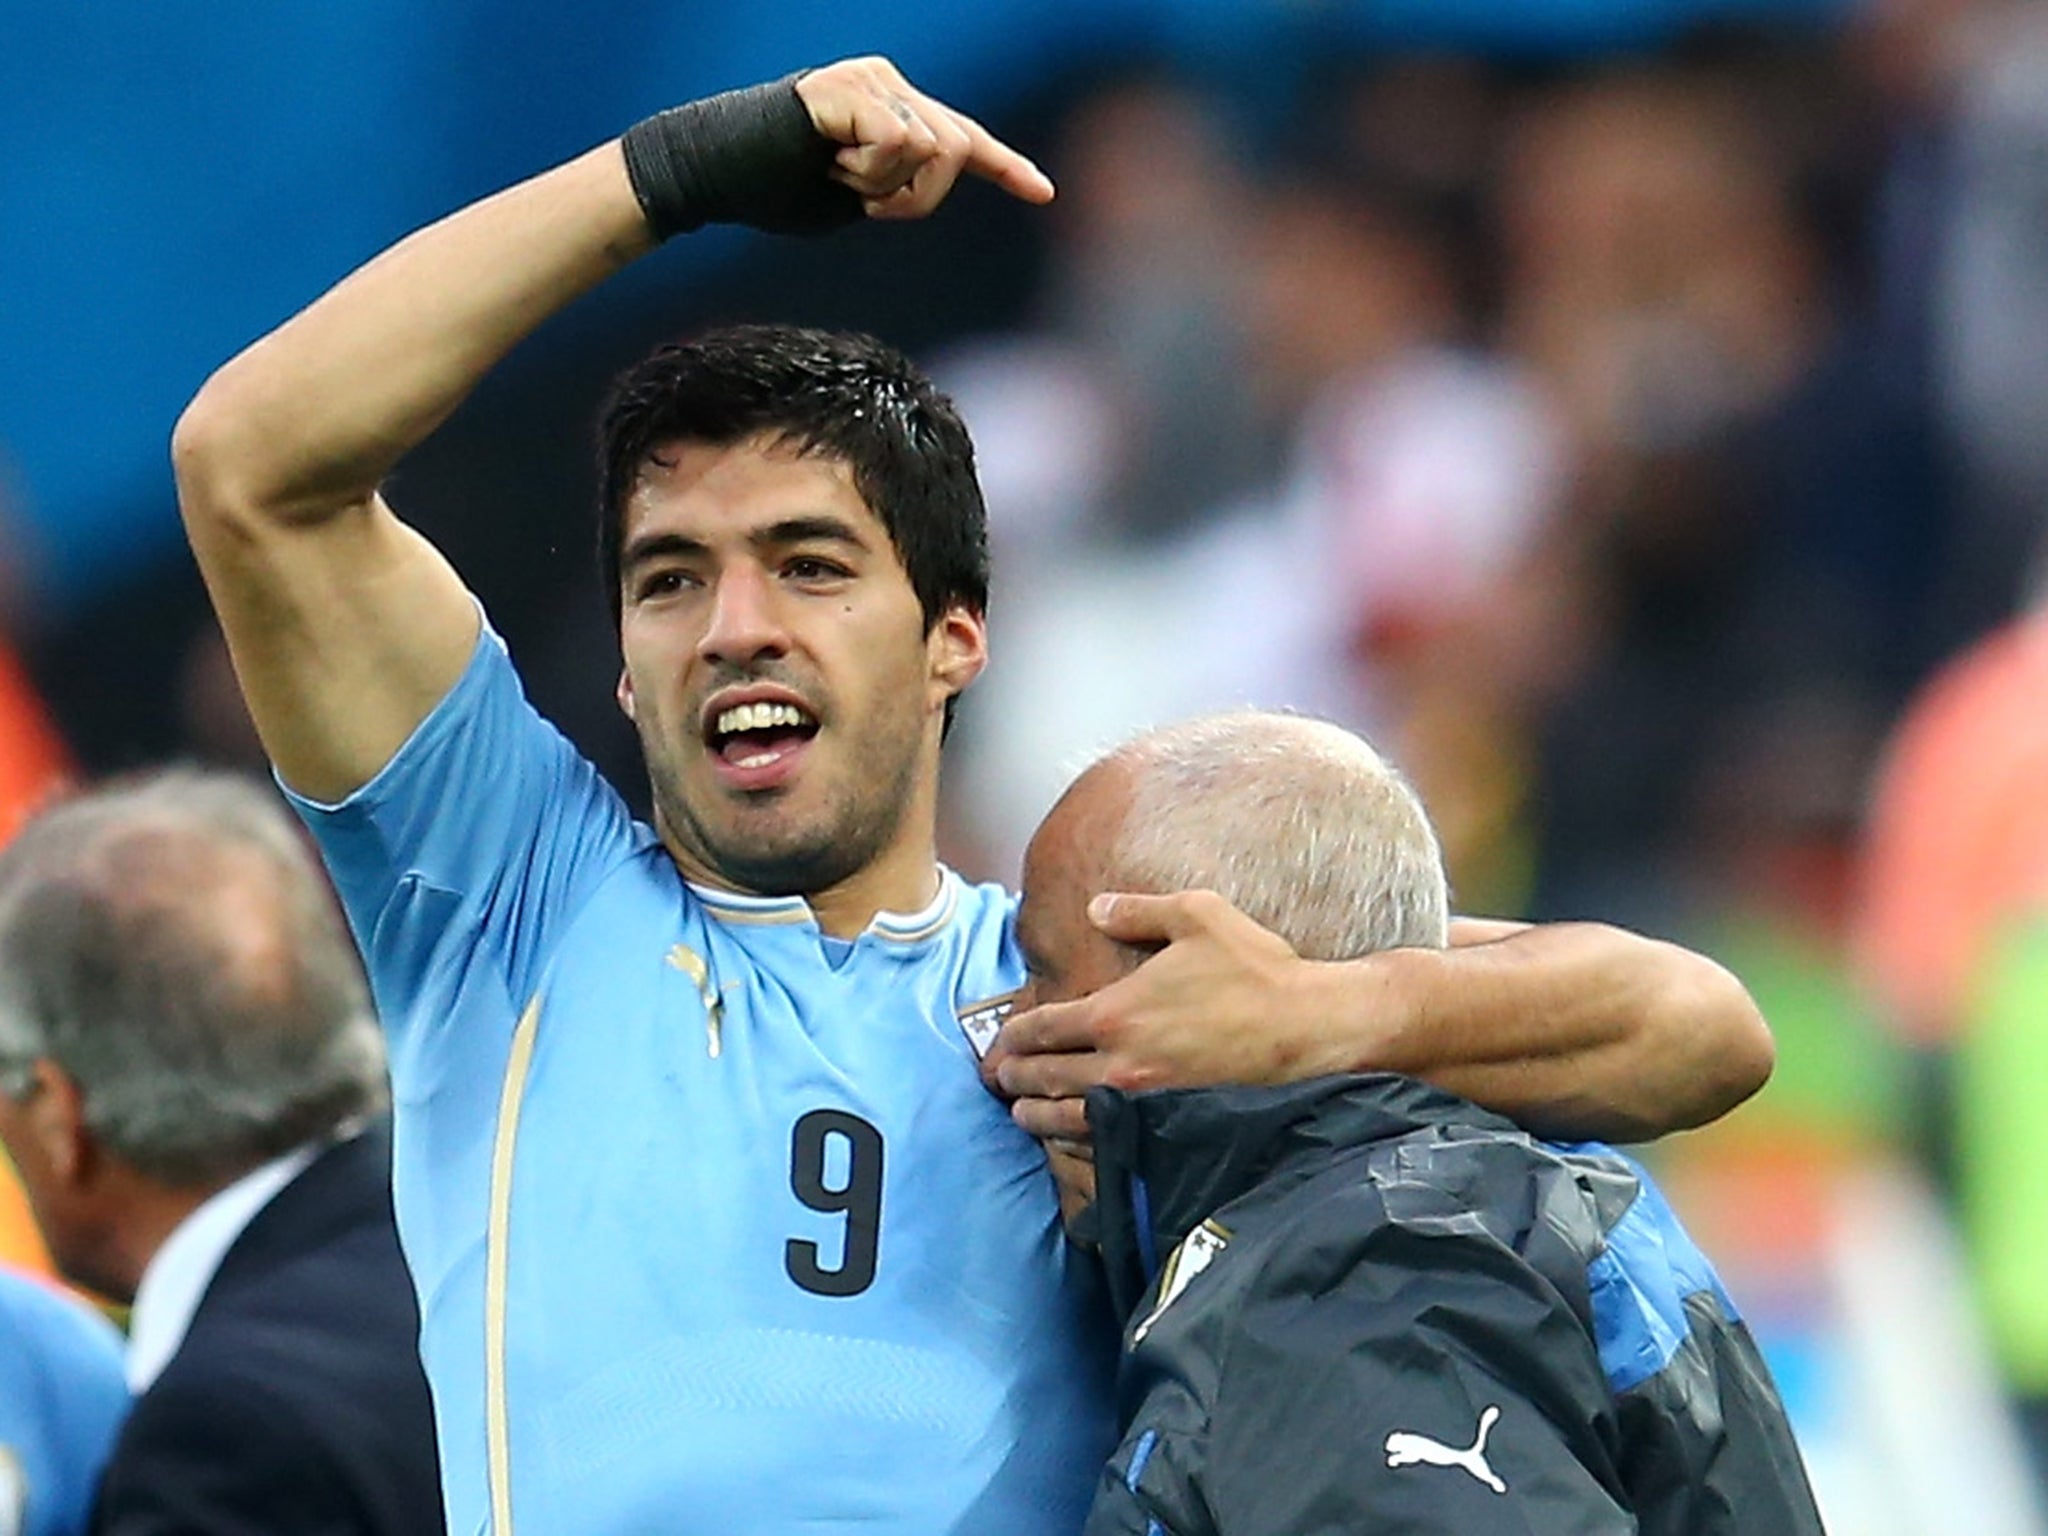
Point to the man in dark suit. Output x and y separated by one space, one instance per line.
191 1083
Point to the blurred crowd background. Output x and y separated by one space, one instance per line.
1633 416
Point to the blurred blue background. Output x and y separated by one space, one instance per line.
176 177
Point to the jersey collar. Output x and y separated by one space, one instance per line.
741 910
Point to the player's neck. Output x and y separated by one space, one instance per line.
900 881
903 877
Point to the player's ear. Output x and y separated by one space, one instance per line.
958 647
624 694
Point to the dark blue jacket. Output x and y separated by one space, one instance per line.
1362 1305
296 1405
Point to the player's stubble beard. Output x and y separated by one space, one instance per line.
793 853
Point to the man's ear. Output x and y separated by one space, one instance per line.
624 694
55 1115
958 646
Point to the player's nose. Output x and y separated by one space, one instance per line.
745 618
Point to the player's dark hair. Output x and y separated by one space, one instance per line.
847 397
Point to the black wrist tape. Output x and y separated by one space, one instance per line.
745 157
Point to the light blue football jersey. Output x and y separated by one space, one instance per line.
713 1225
62 1400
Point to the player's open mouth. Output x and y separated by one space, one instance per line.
756 742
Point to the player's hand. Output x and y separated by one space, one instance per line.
1221 1002
901 150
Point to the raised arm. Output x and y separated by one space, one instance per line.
345 625
1574 1029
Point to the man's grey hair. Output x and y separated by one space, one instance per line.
1296 822
170 944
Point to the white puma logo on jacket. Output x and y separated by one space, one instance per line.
1405 1449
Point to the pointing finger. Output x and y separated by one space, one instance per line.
991 159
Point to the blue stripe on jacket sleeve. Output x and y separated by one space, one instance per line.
1141 1454
1640 1283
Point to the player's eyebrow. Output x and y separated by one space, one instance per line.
817 528
804 530
655 546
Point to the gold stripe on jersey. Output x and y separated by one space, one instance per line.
497 1420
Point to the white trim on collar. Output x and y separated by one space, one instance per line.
737 907
909 927
899 927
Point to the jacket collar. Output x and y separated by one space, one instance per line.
1165 1161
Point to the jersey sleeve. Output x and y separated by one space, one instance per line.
467 855
1404 1387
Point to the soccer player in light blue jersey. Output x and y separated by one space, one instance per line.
713 1226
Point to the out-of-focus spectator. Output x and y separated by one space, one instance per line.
1422 471
62 1397
1121 414
1752 517
1407 473
1950 939
1960 254
1958 838
188 1061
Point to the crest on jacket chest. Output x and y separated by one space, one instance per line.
1197 1251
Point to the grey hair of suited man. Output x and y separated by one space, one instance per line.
171 945
1296 822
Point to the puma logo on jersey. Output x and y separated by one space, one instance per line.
692 965
982 1022
1405 1449
1196 1253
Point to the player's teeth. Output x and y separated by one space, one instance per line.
759 717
